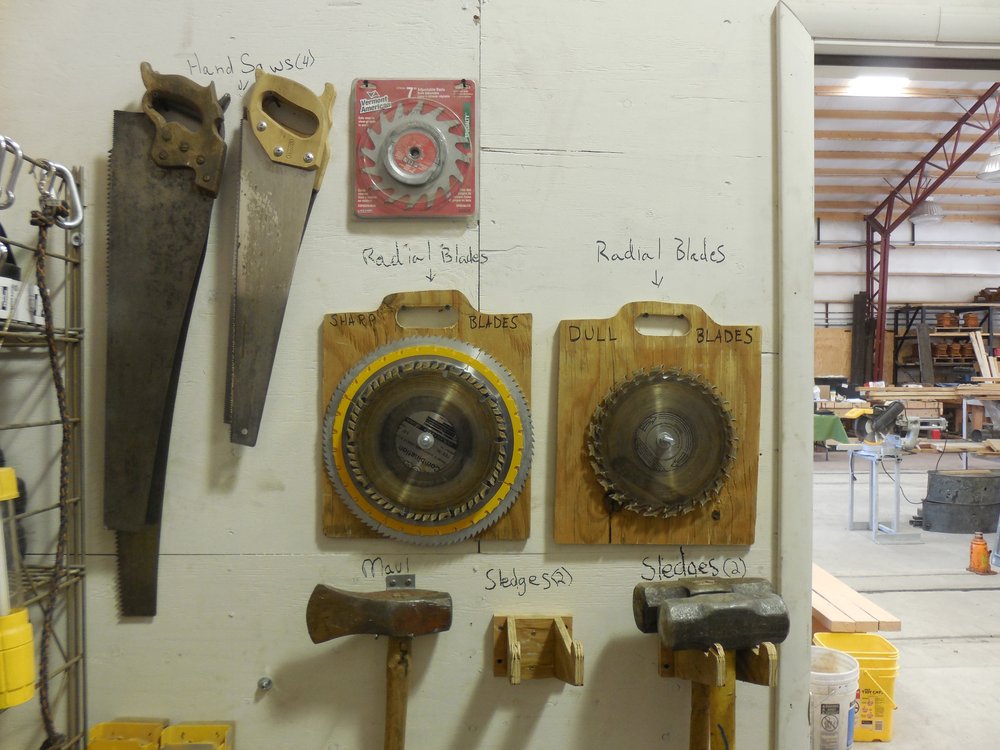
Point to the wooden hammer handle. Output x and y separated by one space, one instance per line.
397 672
699 730
722 709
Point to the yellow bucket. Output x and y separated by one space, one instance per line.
878 661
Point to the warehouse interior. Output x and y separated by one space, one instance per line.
874 124
645 214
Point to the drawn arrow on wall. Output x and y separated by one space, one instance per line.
430 275
657 279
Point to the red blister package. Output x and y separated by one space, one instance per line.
415 148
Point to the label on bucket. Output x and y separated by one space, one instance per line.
833 723
830 733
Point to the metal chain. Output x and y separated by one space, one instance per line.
43 220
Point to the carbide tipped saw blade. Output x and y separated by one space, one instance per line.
662 443
428 440
414 155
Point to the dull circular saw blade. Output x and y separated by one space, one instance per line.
414 155
662 443
428 440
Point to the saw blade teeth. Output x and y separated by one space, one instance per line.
358 470
598 448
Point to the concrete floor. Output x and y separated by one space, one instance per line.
948 688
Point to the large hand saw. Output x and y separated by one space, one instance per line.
283 155
166 165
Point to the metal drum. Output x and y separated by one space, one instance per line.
962 502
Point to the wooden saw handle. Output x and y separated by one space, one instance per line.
303 144
175 145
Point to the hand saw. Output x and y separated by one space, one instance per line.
165 168
283 157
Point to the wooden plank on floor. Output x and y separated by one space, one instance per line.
863 622
829 617
829 584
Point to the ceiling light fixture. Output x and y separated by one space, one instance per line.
877 86
991 171
927 212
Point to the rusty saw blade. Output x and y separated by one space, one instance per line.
283 156
164 176
662 442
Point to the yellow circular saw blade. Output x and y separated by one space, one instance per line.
428 440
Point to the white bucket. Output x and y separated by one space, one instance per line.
833 696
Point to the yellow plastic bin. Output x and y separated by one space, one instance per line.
125 735
879 663
218 736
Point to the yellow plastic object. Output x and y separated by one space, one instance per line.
218 736
126 735
856 412
8 484
17 659
129 744
878 660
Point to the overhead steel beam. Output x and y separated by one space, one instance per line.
940 163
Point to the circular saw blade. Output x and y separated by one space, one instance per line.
414 155
428 440
662 443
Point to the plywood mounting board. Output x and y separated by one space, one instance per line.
349 336
594 355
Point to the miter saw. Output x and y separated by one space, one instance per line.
880 431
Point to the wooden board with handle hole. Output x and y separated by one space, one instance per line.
350 336
594 356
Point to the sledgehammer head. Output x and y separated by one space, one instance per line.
694 613
333 612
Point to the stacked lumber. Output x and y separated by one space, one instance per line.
991 447
837 608
989 391
988 366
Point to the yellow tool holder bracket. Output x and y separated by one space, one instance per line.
17 642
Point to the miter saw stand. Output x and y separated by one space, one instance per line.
881 445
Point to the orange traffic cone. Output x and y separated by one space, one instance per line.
979 556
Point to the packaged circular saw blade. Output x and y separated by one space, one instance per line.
415 148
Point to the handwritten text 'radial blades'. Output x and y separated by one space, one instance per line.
684 250
422 255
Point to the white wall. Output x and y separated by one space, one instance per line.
599 121
917 274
